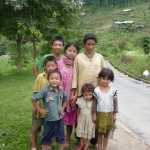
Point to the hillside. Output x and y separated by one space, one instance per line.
121 44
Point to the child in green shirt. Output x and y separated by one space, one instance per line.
57 46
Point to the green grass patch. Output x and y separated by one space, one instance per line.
16 109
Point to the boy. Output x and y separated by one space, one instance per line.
40 83
57 46
54 99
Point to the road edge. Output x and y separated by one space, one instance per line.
130 75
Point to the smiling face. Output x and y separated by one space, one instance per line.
57 47
104 81
71 52
88 95
90 45
50 65
54 80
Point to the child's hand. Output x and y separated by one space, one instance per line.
34 110
115 118
62 113
94 117
44 111
73 101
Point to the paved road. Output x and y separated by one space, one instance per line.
134 103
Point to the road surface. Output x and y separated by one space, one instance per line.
134 103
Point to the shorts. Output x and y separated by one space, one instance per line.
105 122
53 128
37 124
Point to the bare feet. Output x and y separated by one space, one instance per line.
66 144
46 147
33 148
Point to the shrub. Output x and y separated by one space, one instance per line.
122 43
145 44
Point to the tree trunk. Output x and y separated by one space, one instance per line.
19 50
34 47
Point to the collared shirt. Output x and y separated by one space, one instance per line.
52 101
105 100
40 83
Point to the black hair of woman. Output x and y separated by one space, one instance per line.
89 36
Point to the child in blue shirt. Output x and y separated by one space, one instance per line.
54 99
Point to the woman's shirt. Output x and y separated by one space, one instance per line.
86 70
105 100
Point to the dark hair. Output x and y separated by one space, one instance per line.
88 37
106 72
57 38
72 44
87 88
50 58
52 72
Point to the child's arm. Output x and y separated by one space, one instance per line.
94 109
34 110
42 111
63 107
74 92
35 70
73 97
115 108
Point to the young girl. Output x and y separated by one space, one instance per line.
85 127
65 66
54 99
107 107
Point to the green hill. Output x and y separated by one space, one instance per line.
123 44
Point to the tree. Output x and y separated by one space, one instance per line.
21 19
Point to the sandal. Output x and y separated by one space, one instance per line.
85 148
80 148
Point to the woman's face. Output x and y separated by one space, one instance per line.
90 45
71 52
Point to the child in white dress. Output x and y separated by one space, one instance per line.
107 107
85 126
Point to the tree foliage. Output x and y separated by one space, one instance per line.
26 19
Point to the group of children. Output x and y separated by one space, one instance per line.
61 98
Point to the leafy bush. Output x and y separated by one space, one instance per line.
122 43
145 43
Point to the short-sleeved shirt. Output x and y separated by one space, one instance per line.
40 83
105 100
40 63
52 101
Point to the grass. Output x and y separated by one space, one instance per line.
15 118
16 108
